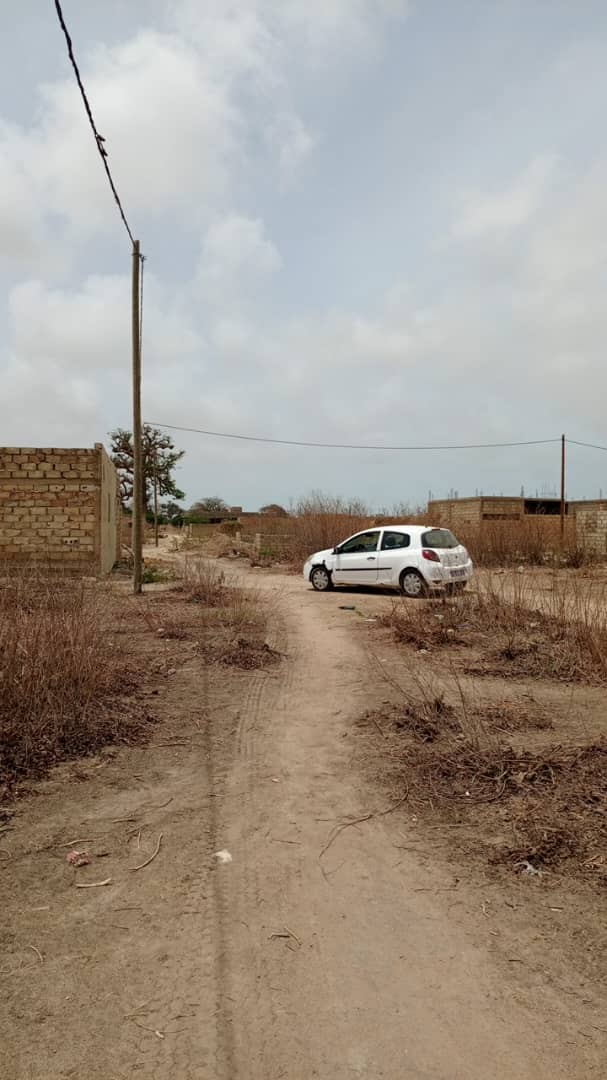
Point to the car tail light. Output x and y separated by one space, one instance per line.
430 555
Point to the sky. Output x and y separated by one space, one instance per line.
379 222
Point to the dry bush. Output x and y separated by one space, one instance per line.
317 522
203 581
533 541
423 626
60 673
230 623
544 806
560 633
547 807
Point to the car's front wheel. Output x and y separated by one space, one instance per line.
320 579
412 584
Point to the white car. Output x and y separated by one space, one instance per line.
413 558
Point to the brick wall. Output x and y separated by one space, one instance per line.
591 526
452 513
53 503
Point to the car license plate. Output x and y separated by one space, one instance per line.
458 573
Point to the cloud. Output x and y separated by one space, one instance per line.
500 212
235 256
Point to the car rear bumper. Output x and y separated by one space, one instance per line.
439 576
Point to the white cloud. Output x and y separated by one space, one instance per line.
236 256
509 209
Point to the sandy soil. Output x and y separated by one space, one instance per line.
369 959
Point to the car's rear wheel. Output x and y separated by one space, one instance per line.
412 584
320 579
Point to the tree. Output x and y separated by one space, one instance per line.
273 510
159 460
172 512
212 504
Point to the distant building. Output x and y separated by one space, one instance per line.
586 520
479 508
60 508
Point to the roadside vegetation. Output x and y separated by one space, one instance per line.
63 673
320 521
494 726
78 659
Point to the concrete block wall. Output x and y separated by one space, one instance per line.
452 513
591 526
58 506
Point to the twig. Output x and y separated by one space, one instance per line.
129 1016
161 806
93 884
277 840
357 821
288 934
153 856
380 729
144 1028
38 953
88 840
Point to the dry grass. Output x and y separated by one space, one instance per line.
559 634
547 807
321 521
228 623
544 806
459 748
61 673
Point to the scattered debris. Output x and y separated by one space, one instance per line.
77 858
528 870
223 856
93 884
288 934
38 953
152 856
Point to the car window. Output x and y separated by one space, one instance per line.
363 542
392 540
439 538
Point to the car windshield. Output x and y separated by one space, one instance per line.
439 538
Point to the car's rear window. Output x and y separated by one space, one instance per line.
393 540
439 538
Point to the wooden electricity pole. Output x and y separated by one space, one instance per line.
156 496
137 445
563 440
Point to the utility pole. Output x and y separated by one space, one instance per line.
137 445
156 496
563 440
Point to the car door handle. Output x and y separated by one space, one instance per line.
370 558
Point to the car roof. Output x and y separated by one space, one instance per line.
403 528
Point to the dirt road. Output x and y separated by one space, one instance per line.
283 963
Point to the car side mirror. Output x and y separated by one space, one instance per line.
336 551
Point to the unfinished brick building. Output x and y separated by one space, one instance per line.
59 508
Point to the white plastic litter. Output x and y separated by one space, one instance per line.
223 856
529 870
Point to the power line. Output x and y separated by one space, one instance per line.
347 446
589 445
99 140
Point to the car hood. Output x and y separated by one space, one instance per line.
321 556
